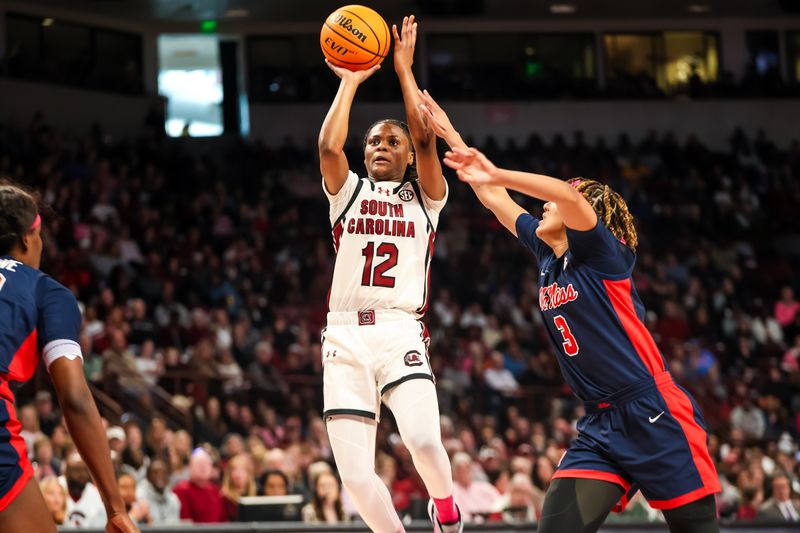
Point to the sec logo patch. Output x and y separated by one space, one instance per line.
406 195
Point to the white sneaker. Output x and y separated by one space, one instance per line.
438 527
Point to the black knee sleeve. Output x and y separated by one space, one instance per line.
699 516
577 505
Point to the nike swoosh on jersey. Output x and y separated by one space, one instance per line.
653 419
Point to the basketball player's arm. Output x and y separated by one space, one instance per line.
497 200
86 430
333 134
429 169
493 197
438 120
473 167
59 326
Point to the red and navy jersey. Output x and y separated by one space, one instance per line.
592 311
38 316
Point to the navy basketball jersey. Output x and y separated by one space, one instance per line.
38 315
592 311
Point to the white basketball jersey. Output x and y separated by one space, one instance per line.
383 234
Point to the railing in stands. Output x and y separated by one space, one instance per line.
159 404
108 407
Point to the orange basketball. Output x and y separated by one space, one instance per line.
355 37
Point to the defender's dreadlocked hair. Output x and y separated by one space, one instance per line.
610 208
411 171
18 210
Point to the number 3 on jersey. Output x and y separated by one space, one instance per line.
570 345
376 278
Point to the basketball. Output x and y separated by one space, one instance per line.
355 37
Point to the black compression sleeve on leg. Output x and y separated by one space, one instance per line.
699 516
577 505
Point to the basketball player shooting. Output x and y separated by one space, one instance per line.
374 346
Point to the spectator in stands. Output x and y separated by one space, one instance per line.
238 481
748 506
55 497
45 464
263 375
213 426
474 497
84 505
275 483
787 307
781 507
523 502
179 452
134 459
30 427
138 509
325 506
498 377
120 369
165 507
116 439
201 501
747 416
48 416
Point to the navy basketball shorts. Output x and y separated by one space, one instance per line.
15 468
649 436
366 354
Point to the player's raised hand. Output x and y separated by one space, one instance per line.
404 43
121 523
357 76
436 117
471 166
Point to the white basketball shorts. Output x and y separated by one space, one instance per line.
366 354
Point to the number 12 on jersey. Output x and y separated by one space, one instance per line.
377 277
570 345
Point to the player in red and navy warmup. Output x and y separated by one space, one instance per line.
641 431
39 316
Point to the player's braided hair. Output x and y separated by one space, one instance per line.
411 171
18 210
610 208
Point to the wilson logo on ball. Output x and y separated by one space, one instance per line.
347 24
355 37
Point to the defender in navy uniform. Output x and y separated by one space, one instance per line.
641 431
40 317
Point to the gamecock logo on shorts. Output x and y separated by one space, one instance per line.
406 195
413 358
366 318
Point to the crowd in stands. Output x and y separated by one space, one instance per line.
202 279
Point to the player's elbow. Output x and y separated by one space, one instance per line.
568 195
76 401
327 148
